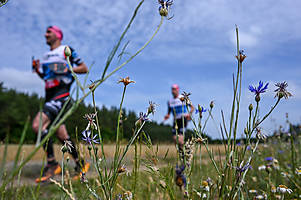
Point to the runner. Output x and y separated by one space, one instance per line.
58 80
178 109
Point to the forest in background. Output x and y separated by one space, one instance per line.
16 107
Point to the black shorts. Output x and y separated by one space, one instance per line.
179 123
53 107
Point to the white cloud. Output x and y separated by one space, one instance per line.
23 81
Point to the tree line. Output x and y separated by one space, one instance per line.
16 107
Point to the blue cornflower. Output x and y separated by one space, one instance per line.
258 90
144 117
242 168
164 8
269 159
180 176
87 137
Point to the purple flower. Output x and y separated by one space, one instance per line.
269 159
260 89
143 117
180 177
87 137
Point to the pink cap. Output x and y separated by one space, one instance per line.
175 86
57 31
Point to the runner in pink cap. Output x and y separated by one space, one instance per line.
182 115
175 86
57 31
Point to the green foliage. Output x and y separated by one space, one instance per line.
17 106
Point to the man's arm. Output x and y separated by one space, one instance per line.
166 117
36 65
191 109
80 69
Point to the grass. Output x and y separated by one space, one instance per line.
142 170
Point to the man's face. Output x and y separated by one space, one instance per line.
175 92
50 37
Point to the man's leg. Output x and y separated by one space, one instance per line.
48 146
179 140
52 168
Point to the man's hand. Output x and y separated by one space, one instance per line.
166 117
36 65
188 117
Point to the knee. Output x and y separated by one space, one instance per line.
35 126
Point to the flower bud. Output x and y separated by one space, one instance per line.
257 98
89 148
250 107
163 11
211 104
64 149
67 51
280 95
138 123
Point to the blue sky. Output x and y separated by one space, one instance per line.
195 49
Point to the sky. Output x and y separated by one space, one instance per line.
195 49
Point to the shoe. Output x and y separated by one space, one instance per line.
49 171
81 170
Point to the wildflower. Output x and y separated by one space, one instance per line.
253 191
185 98
123 169
180 177
205 186
188 154
283 189
201 195
258 90
199 140
67 51
209 181
91 121
151 108
83 178
67 146
262 167
241 56
298 171
143 118
242 168
126 81
285 174
128 195
259 134
261 196
281 90
269 159
200 110
162 184
273 189
88 137
164 8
